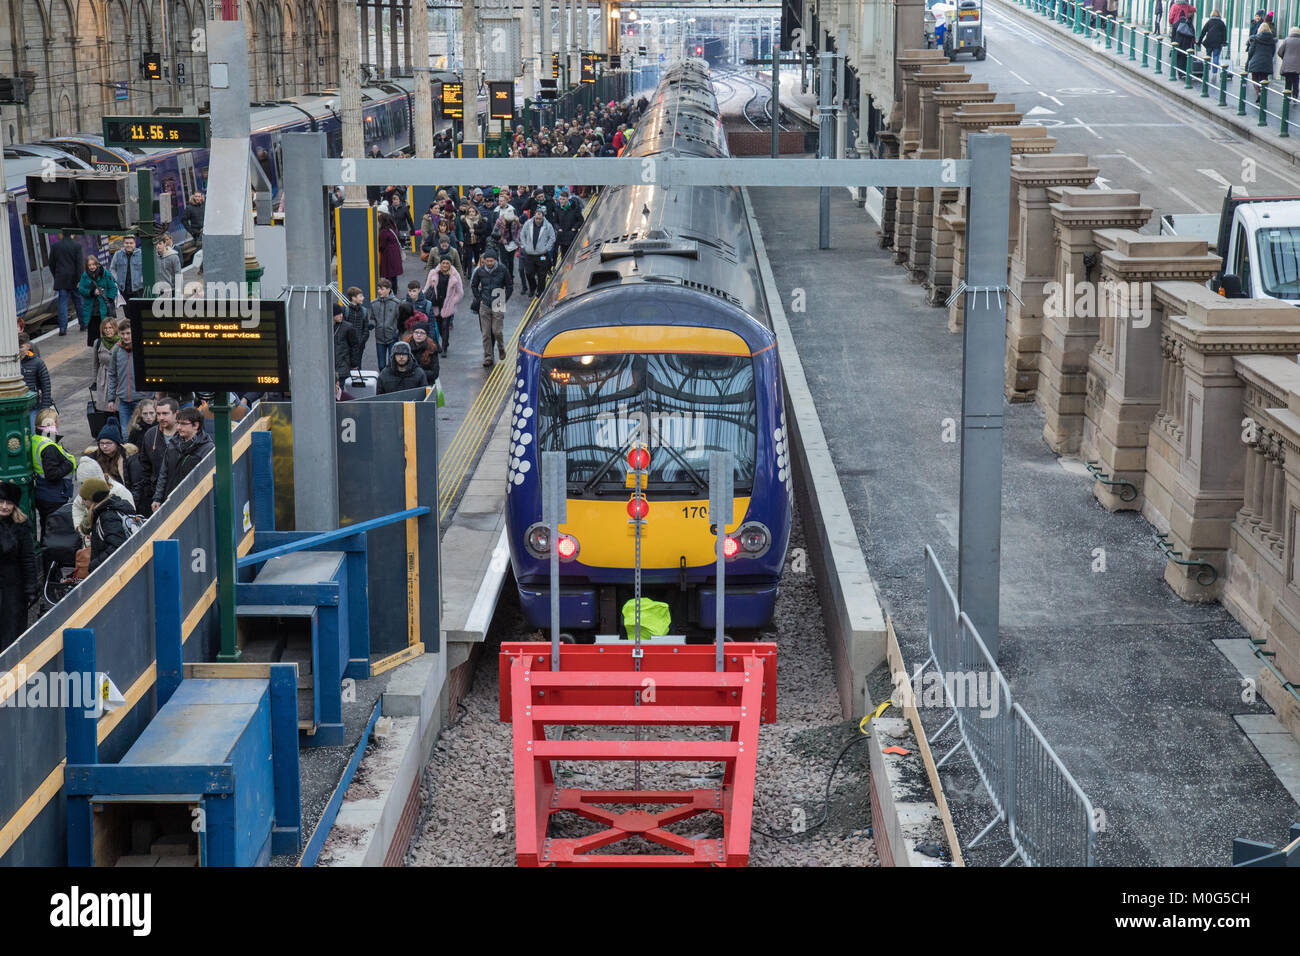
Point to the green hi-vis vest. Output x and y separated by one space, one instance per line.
655 618
39 442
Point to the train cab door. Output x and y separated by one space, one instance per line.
40 284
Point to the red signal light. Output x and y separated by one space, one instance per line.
567 547
638 507
730 547
638 459
699 50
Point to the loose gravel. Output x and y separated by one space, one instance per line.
466 793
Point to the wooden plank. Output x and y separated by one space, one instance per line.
236 671
392 660
896 666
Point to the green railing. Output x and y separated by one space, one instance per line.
1189 66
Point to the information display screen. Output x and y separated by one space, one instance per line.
209 345
501 100
154 132
588 70
453 100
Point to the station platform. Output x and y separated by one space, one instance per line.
1124 679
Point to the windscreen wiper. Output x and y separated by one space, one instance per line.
695 475
618 453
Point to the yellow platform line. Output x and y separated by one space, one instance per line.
453 468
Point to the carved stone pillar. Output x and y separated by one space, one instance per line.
927 81
909 136
1125 369
1033 260
948 98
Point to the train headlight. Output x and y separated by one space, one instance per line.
538 539
754 539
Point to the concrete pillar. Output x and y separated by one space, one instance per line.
1033 262
927 81
545 35
948 98
562 47
527 49
1125 367
469 45
1196 461
909 136
888 149
971 118
394 62
350 94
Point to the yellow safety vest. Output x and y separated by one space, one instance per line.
39 442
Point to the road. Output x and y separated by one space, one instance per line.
1137 135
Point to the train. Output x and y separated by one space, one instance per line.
654 330
388 110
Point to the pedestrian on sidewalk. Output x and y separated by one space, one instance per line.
1259 56
491 288
1214 36
1184 39
1289 51
35 374
123 395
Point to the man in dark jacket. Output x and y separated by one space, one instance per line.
424 350
192 218
345 344
35 374
67 259
1214 35
401 373
153 447
183 453
358 313
491 287
568 220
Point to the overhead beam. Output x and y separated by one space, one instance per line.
653 171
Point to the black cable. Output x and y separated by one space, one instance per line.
826 802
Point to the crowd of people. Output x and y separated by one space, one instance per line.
481 243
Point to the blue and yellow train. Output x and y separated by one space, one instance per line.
654 327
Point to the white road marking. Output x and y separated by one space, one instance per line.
1187 199
1213 174
1102 182
1018 76
1053 99
1087 127
994 59
1041 111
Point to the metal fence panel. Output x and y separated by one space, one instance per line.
1052 820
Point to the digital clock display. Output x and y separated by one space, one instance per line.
186 132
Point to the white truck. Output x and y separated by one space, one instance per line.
1259 240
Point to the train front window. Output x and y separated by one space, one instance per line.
684 406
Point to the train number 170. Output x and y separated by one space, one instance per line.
695 511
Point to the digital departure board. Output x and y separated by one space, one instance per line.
588 70
555 66
155 132
453 100
209 345
501 100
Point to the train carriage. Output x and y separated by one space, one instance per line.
654 329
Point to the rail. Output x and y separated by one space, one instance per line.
1204 577
1152 50
1049 818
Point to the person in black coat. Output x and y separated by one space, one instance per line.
1214 35
402 372
35 373
1260 50
18 583
345 344
568 220
192 218
108 524
66 259
183 454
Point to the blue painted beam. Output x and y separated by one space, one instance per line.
286 837
81 726
148 779
325 537
324 594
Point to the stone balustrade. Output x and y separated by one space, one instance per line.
1260 588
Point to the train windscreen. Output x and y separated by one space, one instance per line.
683 406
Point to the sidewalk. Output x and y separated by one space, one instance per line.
1286 148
